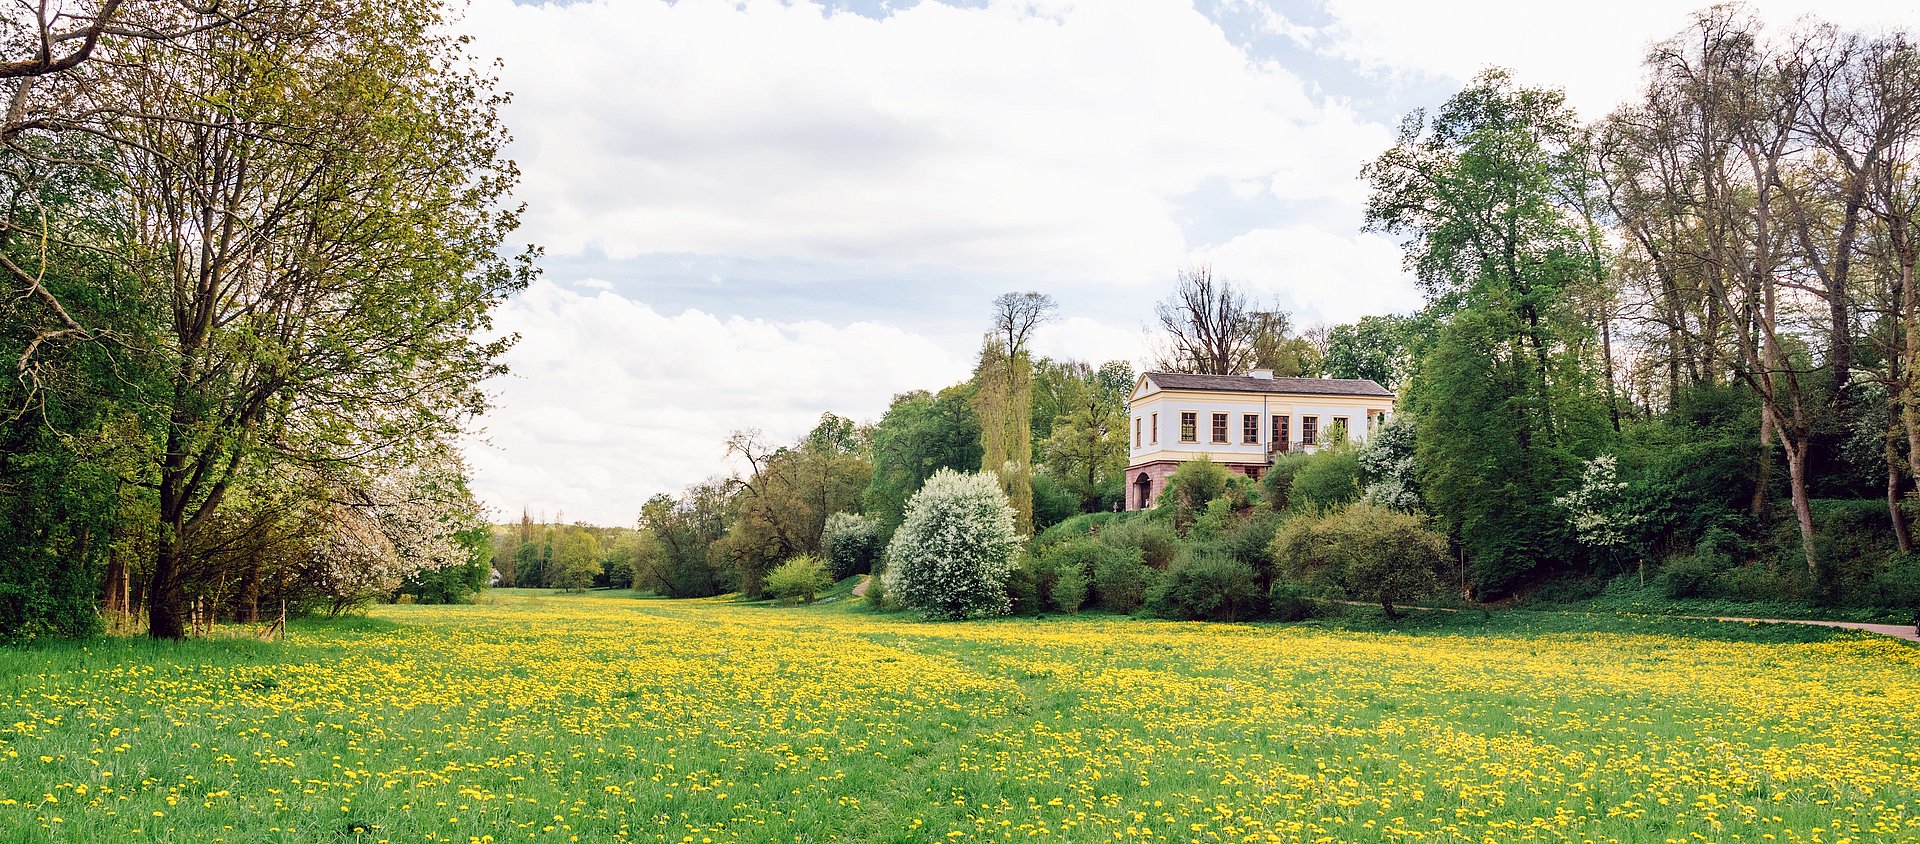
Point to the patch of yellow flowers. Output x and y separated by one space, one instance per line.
610 719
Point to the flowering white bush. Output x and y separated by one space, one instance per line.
1598 510
1386 461
952 555
400 524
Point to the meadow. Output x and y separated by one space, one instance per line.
538 717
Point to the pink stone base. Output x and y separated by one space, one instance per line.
1157 473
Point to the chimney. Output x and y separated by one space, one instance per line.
1262 373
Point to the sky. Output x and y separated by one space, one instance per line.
754 212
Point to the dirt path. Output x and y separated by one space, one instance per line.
1897 631
861 587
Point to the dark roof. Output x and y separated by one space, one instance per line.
1250 384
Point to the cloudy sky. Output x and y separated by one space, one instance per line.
757 211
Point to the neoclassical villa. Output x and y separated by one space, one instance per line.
1239 421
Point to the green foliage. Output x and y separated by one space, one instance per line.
1378 348
1052 503
781 508
1277 481
1363 552
875 596
460 583
576 559
1191 487
1290 601
1326 479
1154 538
1205 585
1069 590
1121 579
1492 193
919 435
1084 524
676 554
954 551
850 543
1086 446
799 579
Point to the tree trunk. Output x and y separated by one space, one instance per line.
1758 507
1900 532
166 604
1802 510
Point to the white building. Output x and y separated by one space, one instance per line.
1238 421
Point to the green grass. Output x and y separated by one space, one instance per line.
602 717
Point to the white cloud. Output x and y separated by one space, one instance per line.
1318 276
1591 49
1050 138
1079 338
610 401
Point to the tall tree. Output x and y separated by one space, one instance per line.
314 205
920 434
1088 446
1506 402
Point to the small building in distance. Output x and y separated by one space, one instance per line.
1238 421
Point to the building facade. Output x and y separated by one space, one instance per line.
1238 421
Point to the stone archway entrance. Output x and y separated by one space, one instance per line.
1143 492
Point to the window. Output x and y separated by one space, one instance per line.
1136 432
1339 429
1219 427
1309 429
1153 429
1250 429
1281 432
1189 426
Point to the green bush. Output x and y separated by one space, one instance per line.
1277 483
1363 552
1326 480
1052 503
1290 601
1205 585
1153 538
850 543
1024 593
1069 590
1191 487
1121 579
876 594
802 579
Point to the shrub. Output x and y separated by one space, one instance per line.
1326 480
1121 579
1363 552
1204 585
1153 538
1290 601
1069 590
1191 487
802 578
850 543
876 594
1278 480
1052 503
1387 465
1024 595
955 549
